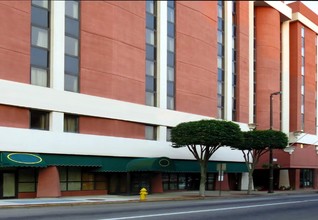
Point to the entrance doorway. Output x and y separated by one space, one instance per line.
7 185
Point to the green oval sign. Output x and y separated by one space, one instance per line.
164 162
24 158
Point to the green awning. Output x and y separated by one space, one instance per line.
192 166
13 159
113 164
161 164
72 160
232 167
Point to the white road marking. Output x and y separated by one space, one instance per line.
210 210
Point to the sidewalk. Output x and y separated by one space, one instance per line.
167 196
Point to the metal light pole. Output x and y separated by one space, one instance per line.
271 170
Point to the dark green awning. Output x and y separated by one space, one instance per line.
113 164
12 159
72 160
161 164
192 166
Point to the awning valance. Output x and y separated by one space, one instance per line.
13 159
72 160
192 166
161 164
113 164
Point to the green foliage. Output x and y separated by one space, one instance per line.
206 133
264 139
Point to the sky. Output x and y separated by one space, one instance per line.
313 5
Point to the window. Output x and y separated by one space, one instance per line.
169 134
71 123
70 178
27 180
71 59
75 178
234 74
220 59
71 46
171 55
71 9
39 120
150 132
151 53
303 60
40 50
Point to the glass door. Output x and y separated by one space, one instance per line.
8 185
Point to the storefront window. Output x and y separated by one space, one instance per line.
75 178
27 180
306 178
173 184
185 181
87 181
182 181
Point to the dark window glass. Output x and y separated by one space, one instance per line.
150 6
71 27
40 17
220 37
150 52
220 50
71 65
39 57
150 84
170 29
40 37
150 21
234 53
170 102
150 132
150 68
234 103
170 89
220 75
39 120
71 9
169 134
171 4
71 123
150 99
220 11
170 59
220 24
71 83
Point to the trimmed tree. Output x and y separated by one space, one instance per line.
203 138
256 143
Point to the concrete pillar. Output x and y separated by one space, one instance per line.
244 182
284 178
48 183
156 183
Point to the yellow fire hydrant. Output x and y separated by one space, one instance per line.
143 194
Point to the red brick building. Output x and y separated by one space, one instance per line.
91 89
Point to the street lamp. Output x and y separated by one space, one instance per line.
271 170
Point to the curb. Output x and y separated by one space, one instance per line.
158 199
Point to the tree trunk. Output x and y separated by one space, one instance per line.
250 182
203 170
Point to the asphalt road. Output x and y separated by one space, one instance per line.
290 207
